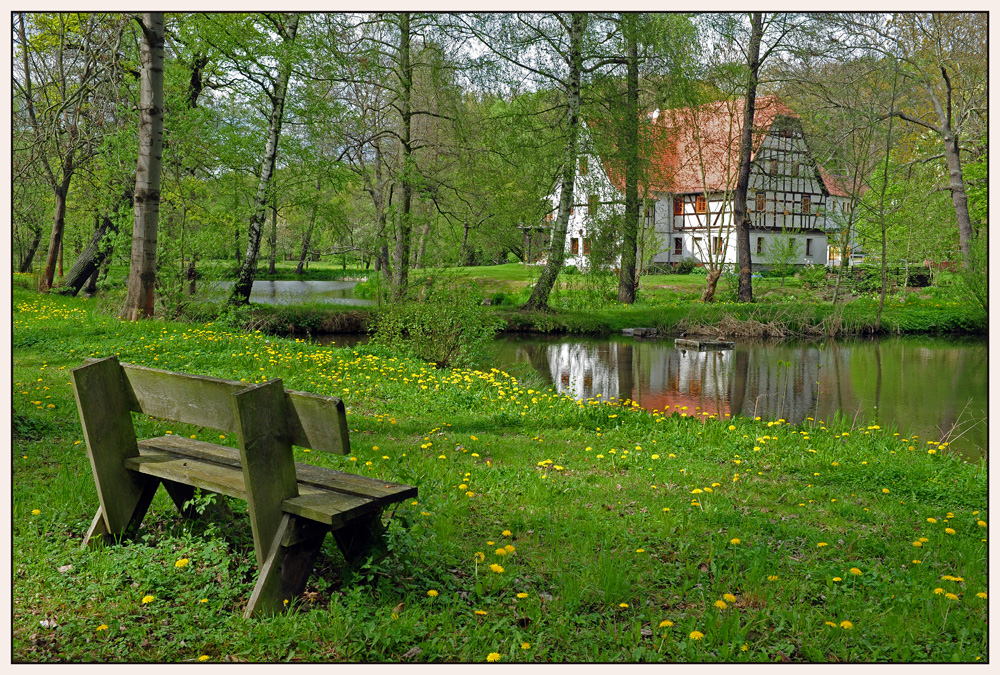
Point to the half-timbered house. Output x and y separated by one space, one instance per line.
688 183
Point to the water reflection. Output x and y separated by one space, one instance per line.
293 291
932 388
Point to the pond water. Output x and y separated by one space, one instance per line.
289 292
933 387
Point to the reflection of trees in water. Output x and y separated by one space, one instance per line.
925 390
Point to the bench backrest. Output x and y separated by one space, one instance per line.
314 421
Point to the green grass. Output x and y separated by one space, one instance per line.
598 501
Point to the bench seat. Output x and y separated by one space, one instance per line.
326 496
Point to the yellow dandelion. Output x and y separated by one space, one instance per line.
918 544
830 623
667 623
951 596
148 599
203 657
501 552
496 568
525 645
509 548
522 595
493 657
432 593
837 579
734 541
772 577
720 604
696 635
35 512
885 490
183 562
729 597
480 612
505 533
821 544
846 625
932 520
104 626
855 571
938 591
948 530
623 605
981 595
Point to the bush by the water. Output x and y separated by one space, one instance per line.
442 322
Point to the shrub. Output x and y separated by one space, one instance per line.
445 324
812 275
685 266
570 269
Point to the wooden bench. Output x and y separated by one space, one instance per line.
292 505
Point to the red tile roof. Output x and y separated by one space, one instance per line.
838 185
697 148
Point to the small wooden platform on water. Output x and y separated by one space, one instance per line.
702 345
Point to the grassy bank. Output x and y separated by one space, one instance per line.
545 529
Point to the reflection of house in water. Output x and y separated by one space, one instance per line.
748 381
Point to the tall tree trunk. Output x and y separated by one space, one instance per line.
626 277
744 291
557 246
248 270
273 239
58 227
89 262
401 257
464 259
146 202
309 231
29 255
418 259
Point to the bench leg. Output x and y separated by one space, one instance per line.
359 536
99 533
286 570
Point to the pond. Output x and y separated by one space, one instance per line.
934 388
289 292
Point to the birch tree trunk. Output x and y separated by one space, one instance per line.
557 246
142 270
248 268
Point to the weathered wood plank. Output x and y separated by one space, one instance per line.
104 409
318 422
330 508
267 459
205 475
314 421
330 479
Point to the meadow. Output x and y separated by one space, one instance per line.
545 530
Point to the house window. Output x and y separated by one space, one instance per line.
700 204
761 201
583 166
697 245
809 247
586 246
650 215
760 245
805 204
678 206
574 246
592 204
717 245
678 246
774 167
